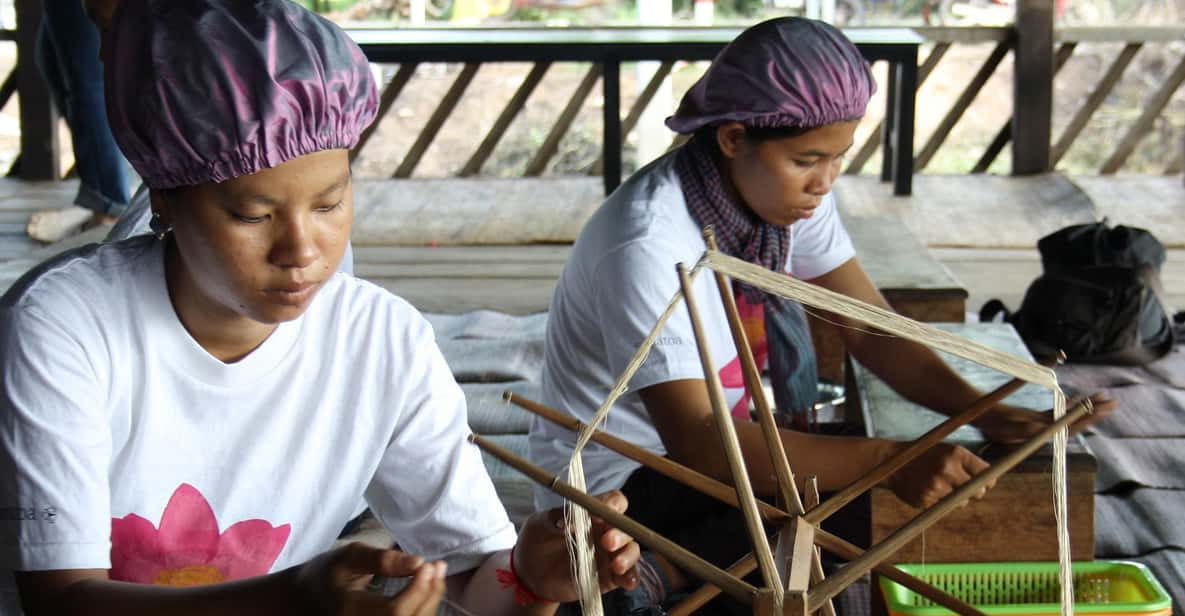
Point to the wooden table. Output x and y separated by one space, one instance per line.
1014 522
915 284
610 46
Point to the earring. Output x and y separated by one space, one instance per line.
159 227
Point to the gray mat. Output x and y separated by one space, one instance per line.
1139 522
1144 411
1138 462
487 324
1168 371
514 489
490 414
1168 567
480 360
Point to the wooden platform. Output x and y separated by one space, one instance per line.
517 278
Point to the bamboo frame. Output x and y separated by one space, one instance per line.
801 588
725 494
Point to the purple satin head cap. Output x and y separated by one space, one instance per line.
785 72
209 90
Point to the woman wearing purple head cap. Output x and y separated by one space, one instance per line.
206 407
771 120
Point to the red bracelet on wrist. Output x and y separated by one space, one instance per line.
509 579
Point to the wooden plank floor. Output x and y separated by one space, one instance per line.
520 279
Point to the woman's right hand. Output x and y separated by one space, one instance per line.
337 582
936 473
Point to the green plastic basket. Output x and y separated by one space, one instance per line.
1100 587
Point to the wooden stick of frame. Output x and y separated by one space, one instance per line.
787 489
726 494
812 501
915 449
693 564
665 466
883 550
732 448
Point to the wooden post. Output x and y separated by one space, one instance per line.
1032 87
39 159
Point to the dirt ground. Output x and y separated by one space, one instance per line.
495 83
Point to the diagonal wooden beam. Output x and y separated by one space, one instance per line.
8 88
511 111
552 142
390 93
1005 133
874 138
1093 101
961 104
640 105
436 121
1152 108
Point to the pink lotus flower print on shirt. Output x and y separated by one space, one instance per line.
187 549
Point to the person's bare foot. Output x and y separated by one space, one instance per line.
50 226
99 220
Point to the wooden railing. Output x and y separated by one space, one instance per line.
1031 120
1003 42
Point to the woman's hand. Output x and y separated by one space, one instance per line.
541 555
935 474
337 581
1010 424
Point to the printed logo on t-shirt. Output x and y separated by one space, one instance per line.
187 549
731 375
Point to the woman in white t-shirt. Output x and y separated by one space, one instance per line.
188 419
771 120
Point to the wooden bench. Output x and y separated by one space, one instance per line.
1014 521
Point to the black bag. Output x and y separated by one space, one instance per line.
1098 298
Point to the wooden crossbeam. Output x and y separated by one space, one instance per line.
511 111
960 105
390 93
1093 101
436 121
1152 108
552 142
1004 135
861 157
640 105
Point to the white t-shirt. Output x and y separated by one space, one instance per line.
617 281
125 445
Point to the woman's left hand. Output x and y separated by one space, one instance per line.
541 555
1010 425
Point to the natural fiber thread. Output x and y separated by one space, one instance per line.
584 567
